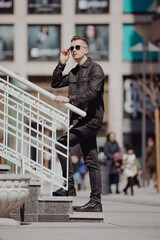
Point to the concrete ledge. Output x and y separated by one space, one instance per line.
34 182
29 211
53 218
86 217
55 199
43 208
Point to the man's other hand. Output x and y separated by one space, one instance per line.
61 99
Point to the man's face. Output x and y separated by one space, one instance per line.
80 49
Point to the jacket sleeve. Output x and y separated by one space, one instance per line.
58 80
95 84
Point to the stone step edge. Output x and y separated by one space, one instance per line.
55 199
87 215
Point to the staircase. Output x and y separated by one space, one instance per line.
29 124
39 208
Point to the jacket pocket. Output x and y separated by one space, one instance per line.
72 87
84 85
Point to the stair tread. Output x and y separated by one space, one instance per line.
55 199
87 215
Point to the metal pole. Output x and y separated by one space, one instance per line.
144 116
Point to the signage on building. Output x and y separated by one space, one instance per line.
6 6
92 6
97 37
6 42
43 42
44 6
137 6
132 35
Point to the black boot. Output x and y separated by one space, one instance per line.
131 183
91 206
125 191
117 189
63 193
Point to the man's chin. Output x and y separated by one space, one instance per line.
75 57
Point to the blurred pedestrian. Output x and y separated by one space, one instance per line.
150 161
112 151
79 167
130 168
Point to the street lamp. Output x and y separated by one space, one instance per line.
144 47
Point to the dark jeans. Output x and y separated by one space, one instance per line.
86 136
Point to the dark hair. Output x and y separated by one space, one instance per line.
74 38
129 147
42 26
150 139
85 31
108 135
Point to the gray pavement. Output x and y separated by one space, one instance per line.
125 217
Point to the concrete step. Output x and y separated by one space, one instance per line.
45 208
86 217
54 209
39 208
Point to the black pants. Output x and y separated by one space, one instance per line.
86 137
130 184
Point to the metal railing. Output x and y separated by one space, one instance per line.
29 125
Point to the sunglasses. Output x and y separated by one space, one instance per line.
77 47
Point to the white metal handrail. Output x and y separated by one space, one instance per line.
40 90
29 127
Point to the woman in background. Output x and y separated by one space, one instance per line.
112 151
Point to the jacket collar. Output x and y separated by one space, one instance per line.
85 64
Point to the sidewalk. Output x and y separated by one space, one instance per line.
144 196
125 218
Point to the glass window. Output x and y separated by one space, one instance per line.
6 42
132 35
92 6
139 6
43 42
6 6
97 37
44 6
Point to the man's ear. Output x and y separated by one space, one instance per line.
86 51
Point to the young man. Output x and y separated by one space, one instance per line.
86 87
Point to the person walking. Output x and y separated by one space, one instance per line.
86 88
150 161
130 168
112 151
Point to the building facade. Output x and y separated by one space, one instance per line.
32 32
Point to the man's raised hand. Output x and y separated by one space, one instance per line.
64 56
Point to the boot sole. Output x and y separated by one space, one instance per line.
86 210
65 195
